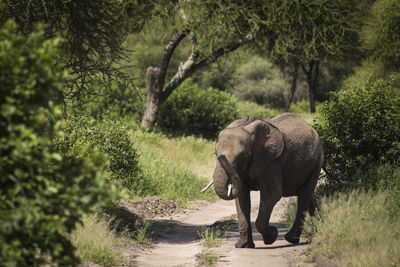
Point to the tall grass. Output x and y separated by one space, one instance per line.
175 168
356 229
96 243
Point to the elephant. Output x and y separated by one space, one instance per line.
280 157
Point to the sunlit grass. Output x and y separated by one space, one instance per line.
96 243
142 232
290 213
356 229
208 258
210 238
175 168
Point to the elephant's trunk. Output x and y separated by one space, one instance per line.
224 175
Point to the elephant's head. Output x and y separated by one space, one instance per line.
244 143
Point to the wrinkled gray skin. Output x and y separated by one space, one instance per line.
281 157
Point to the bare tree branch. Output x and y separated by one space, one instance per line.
187 68
168 51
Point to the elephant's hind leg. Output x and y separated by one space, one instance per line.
313 205
305 202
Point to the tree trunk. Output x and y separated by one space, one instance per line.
312 79
153 91
293 85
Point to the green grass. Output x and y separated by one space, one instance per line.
174 168
208 258
356 229
210 238
142 232
96 243
290 213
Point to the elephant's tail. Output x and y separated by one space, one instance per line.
357 184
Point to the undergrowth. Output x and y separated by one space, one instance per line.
356 229
174 168
95 242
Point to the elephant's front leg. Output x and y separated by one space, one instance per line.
269 233
243 206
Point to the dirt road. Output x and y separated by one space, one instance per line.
179 242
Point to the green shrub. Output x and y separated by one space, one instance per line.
303 107
360 128
194 111
110 138
42 193
258 81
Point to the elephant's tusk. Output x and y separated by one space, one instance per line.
208 186
229 190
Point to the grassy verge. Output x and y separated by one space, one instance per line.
175 168
95 242
356 229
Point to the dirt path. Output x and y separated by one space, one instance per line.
179 243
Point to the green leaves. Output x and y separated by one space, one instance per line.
381 33
40 189
360 128
193 111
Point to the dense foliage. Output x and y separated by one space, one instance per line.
194 111
113 98
259 81
120 160
94 32
381 33
360 128
42 193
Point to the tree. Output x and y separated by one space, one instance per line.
306 32
381 34
213 28
42 192
93 31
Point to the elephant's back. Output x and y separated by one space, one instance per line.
295 129
303 150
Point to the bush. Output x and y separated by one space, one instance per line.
360 128
253 109
258 81
112 139
42 193
194 111
303 107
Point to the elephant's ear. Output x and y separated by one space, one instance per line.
267 139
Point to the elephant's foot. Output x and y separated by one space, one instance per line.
271 235
244 242
292 238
